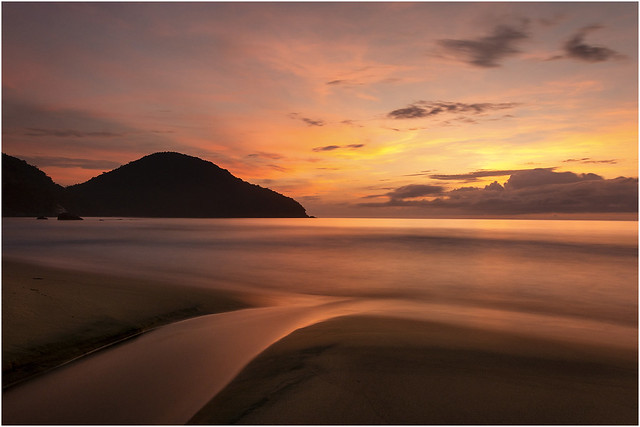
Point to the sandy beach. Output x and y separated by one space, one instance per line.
376 370
350 369
51 316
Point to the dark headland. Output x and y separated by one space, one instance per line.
168 184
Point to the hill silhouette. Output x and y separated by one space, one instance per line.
26 190
168 184
176 185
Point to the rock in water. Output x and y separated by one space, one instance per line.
66 216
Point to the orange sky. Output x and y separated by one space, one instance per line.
354 109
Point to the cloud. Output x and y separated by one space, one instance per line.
277 168
487 51
427 109
587 160
421 173
414 190
576 47
350 82
327 148
351 123
308 121
337 147
68 133
272 156
538 177
528 192
63 130
67 162
473 176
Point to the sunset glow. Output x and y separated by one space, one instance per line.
353 109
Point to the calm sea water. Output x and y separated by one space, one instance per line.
581 270
566 280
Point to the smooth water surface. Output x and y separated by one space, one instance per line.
581 269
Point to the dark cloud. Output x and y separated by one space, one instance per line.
576 47
426 109
337 147
414 190
262 154
312 122
308 121
326 148
538 177
590 160
374 196
67 162
351 123
473 176
529 192
494 186
489 50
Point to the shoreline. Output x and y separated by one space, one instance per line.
383 370
51 316
354 368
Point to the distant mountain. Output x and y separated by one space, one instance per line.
26 190
176 185
159 185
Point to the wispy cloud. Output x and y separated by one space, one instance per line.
474 176
262 154
70 133
326 148
577 48
277 167
307 120
588 160
421 173
344 82
67 162
428 109
487 51
337 147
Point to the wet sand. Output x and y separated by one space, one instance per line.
51 316
348 370
376 370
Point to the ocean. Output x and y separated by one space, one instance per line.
553 277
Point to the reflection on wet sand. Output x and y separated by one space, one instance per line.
167 375
454 310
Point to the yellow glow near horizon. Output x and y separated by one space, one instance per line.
324 100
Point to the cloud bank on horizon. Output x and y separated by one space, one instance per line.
403 105
536 191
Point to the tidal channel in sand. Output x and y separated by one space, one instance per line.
167 375
162 377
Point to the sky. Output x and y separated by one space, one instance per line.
382 109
